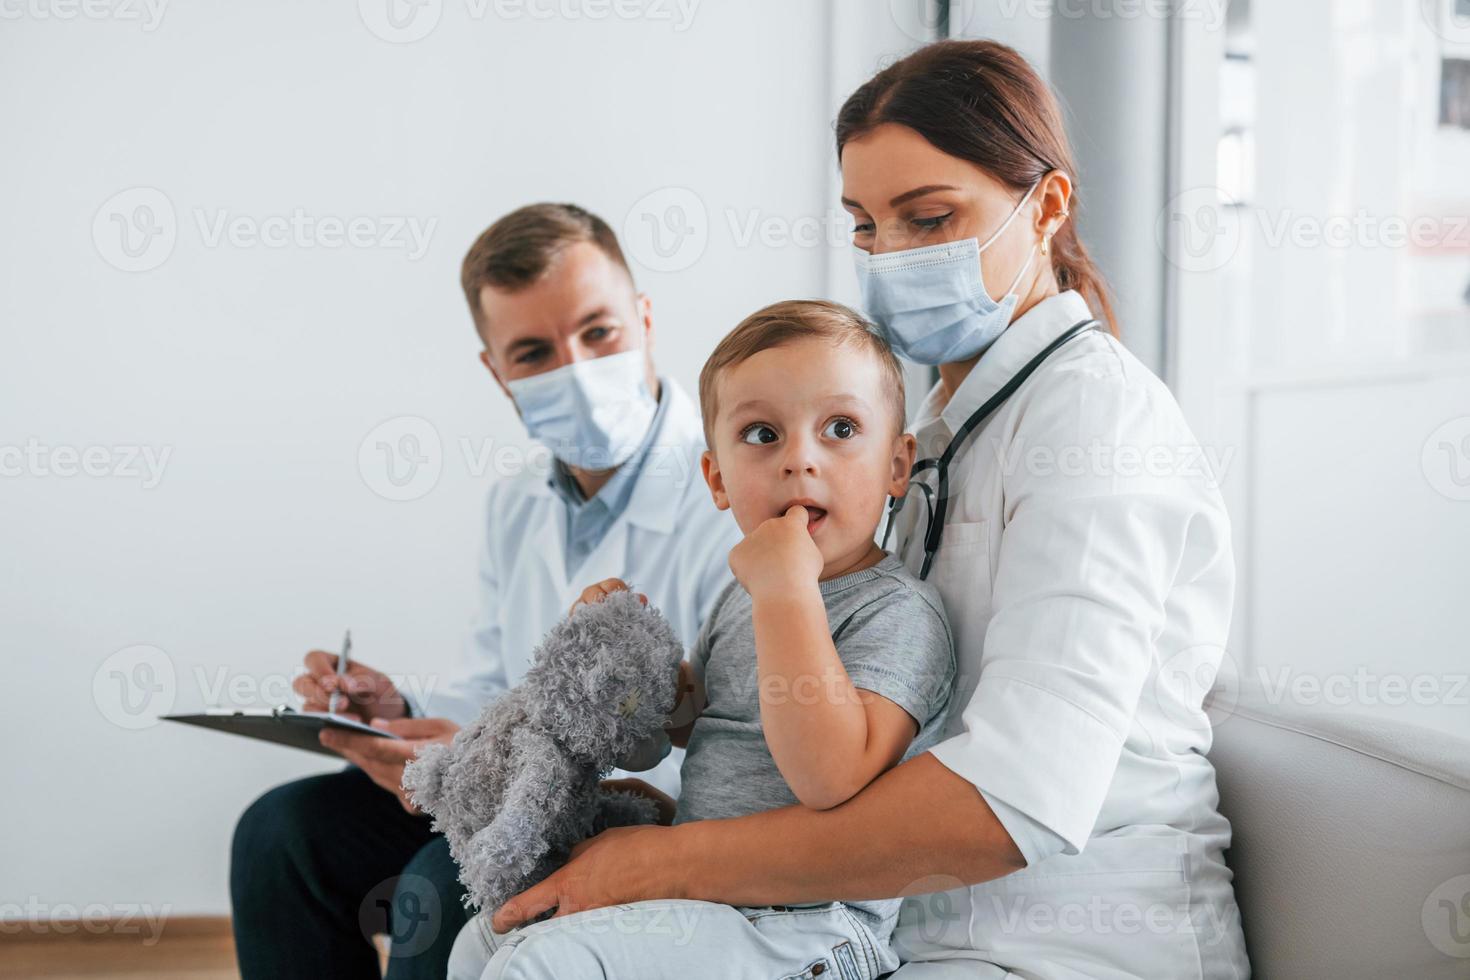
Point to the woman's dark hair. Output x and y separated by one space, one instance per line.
980 101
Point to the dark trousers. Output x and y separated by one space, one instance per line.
320 865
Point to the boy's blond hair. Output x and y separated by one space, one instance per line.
774 325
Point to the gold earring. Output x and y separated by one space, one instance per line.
1046 245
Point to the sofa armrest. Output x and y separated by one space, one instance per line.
1351 841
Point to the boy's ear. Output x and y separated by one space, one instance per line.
711 468
905 448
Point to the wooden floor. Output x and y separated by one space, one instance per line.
198 959
196 949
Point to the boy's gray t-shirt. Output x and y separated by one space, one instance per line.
893 639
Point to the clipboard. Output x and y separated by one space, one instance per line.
283 725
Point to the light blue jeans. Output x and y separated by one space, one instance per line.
674 939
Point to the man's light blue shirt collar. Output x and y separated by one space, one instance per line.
615 493
589 520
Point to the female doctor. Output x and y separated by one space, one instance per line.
1067 827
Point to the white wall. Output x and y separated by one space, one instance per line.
1025 25
1341 405
1359 544
262 370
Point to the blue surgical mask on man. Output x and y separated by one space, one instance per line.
591 414
931 302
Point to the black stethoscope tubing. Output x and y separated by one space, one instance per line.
938 502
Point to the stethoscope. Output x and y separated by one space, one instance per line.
938 502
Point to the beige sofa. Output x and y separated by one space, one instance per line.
1351 845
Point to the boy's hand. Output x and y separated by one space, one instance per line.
600 591
779 556
686 706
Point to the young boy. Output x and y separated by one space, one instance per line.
824 664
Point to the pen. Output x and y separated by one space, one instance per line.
341 671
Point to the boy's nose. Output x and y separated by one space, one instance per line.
800 458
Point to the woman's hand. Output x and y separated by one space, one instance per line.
731 860
624 864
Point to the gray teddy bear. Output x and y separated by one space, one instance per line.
515 790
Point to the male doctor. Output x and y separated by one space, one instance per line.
320 864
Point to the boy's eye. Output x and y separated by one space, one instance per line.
758 434
840 429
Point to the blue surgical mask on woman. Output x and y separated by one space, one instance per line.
931 302
592 414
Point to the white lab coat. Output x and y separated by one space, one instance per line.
669 543
1088 579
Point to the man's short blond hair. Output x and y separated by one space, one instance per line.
779 323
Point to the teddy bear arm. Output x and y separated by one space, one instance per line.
539 819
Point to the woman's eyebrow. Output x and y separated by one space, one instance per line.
906 195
